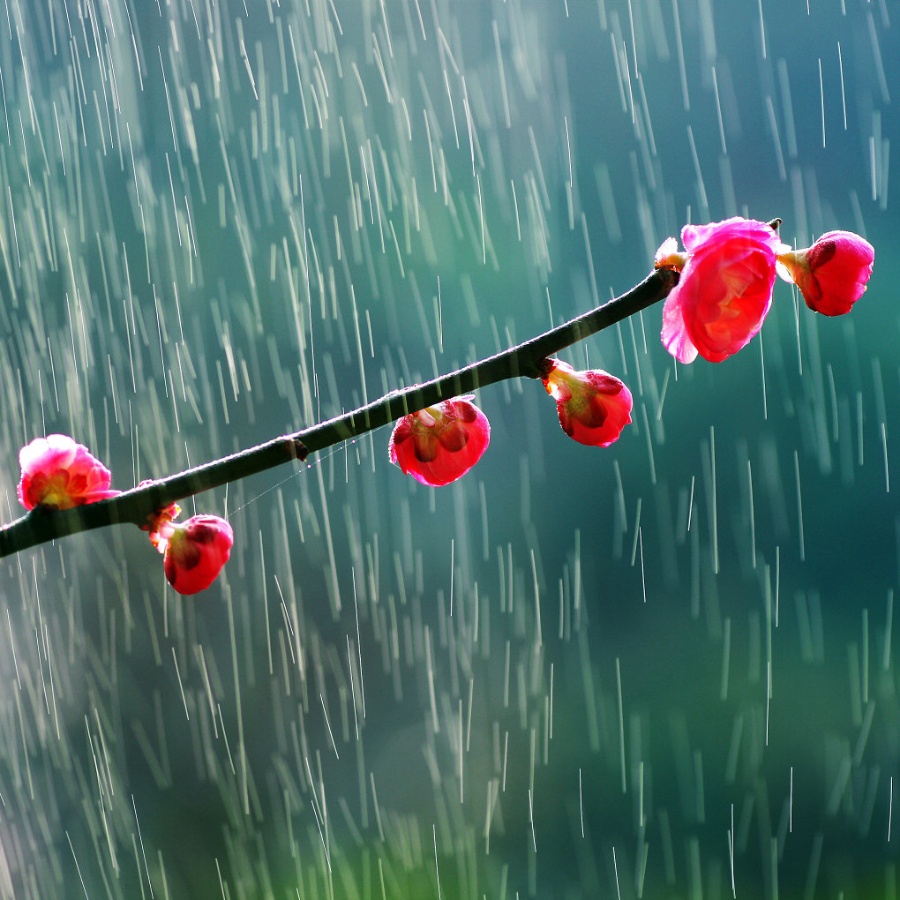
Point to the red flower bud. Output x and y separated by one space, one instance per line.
593 406
725 289
441 443
833 273
57 473
195 552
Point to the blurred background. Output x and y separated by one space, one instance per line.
664 669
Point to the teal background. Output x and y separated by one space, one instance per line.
664 669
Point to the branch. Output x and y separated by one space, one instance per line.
134 506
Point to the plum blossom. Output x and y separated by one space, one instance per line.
832 274
725 289
440 443
58 473
593 406
194 551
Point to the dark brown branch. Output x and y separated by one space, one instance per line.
521 361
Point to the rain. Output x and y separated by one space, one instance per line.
660 669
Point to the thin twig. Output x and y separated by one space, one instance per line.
521 361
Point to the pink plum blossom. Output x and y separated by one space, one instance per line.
441 443
725 289
58 473
593 406
833 273
195 552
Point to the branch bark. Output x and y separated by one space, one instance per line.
521 361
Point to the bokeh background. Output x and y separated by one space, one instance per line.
665 669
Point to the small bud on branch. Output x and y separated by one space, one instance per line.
522 361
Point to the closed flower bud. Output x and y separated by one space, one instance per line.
833 273
441 443
195 552
593 406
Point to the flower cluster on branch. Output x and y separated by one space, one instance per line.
718 291
728 274
727 277
59 474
